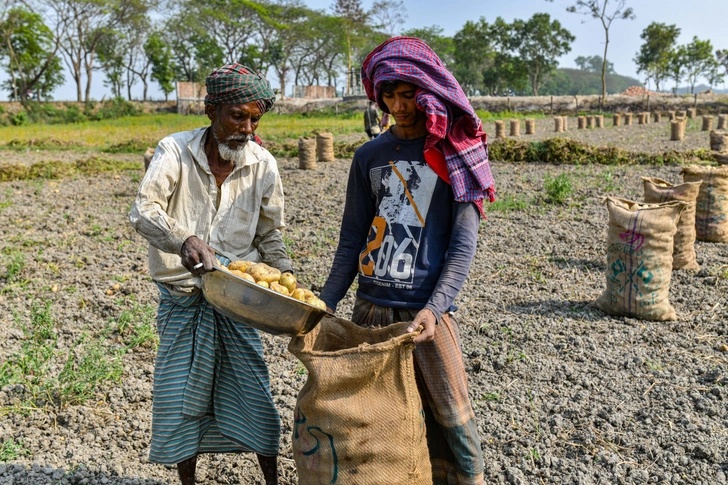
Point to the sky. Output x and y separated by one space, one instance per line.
703 18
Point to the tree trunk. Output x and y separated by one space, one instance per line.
604 70
146 86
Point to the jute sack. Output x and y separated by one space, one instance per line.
639 259
307 153
358 418
658 190
711 212
325 147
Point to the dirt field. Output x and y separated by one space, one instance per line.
563 394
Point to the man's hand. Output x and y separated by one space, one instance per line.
195 251
427 320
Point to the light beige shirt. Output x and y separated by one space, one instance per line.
177 199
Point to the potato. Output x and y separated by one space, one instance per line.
243 266
242 275
278 288
299 294
318 303
289 281
263 272
262 283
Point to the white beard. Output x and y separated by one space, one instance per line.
235 155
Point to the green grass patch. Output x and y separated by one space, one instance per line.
11 450
55 169
83 369
508 203
561 151
133 134
489 117
558 189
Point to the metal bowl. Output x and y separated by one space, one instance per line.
259 307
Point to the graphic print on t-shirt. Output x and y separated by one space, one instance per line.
404 192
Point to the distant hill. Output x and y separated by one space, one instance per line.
699 89
567 81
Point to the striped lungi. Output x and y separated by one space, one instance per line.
452 435
211 384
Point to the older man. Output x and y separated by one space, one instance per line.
212 190
409 232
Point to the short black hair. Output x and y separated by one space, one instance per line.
388 87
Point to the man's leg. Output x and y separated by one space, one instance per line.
186 471
269 465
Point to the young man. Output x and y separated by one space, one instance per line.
409 232
213 188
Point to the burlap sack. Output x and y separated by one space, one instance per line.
658 190
711 212
639 259
307 153
325 147
358 418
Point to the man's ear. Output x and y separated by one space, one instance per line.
211 111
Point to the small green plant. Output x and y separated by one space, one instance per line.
491 397
300 369
508 203
10 450
136 326
558 189
88 366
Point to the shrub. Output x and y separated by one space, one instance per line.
558 189
20 118
114 108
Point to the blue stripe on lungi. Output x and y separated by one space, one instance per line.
211 385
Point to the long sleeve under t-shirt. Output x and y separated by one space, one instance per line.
402 232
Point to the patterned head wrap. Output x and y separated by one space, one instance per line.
456 147
238 84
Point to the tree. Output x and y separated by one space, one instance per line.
388 16
160 57
598 9
28 48
441 44
676 65
355 22
111 57
593 64
505 70
79 26
473 54
722 59
653 58
540 42
699 60
290 20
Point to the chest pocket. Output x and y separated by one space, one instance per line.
238 228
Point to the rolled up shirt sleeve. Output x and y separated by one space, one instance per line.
460 253
148 213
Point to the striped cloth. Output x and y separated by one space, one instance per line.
454 130
211 385
238 84
452 434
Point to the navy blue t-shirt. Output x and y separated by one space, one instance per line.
396 230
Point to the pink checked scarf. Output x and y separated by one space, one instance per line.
452 126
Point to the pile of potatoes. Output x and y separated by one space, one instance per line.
269 277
